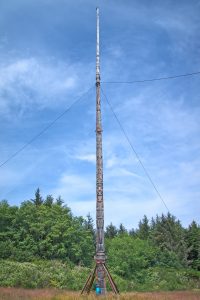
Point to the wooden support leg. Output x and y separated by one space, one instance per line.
89 282
111 281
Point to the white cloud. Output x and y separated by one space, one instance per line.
37 82
86 157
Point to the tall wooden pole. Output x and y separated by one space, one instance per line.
100 248
100 272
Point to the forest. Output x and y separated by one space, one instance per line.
43 245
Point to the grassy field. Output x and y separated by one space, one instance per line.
53 294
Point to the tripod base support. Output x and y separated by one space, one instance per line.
88 285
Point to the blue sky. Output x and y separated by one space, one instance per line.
47 61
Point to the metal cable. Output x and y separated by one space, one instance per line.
134 151
154 79
45 129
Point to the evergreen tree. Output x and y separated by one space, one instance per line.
168 234
152 224
132 232
192 237
111 231
49 200
89 223
38 198
122 230
144 229
59 201
89 226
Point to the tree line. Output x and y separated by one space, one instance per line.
45 229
